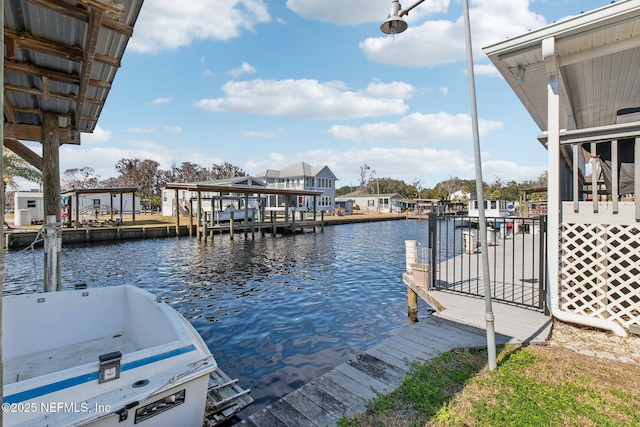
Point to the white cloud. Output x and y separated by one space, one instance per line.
444 90
437 42
161 101
353 12
245 68
170 24
267 134
416 127
310 99
173 129
141 130
98 136
486 70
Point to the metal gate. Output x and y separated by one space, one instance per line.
516 248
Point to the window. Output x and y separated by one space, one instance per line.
31 203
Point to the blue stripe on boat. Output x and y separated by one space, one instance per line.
93 376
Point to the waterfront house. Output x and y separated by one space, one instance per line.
578 79
385 203
301 176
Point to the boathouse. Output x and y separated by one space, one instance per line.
224 198
578 79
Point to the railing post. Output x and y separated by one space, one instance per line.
542 284
433 247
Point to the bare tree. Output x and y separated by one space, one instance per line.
366 175
85 177
226 170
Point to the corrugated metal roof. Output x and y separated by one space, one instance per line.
597 55
61 57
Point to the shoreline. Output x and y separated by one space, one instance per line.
152 226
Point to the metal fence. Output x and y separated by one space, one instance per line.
516 248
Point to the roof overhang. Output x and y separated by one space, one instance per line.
237 189
61 57
592 59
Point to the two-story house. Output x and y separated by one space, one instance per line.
301 176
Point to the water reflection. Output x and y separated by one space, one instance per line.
275 312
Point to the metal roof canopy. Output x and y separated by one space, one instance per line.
589 49
110 190
240 189
61 57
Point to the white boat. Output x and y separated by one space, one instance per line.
238 214
101 357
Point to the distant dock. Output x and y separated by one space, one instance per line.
166 227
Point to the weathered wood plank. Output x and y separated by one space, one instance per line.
395 352
265 418
360 391
324 399
310 409
377 368
419 351
289 415
361 378
352 402
400 364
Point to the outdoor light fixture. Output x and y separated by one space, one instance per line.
394 25
519 74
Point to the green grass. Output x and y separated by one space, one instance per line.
532 386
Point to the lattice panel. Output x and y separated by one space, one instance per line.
600 271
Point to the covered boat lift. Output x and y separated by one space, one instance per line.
246 192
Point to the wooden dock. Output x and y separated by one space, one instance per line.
345 390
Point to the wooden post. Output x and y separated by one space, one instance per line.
274 228
77 201
231 221
51 196
199 214
322 222
133 207
51 166
411 257
293 222
190 217
177 201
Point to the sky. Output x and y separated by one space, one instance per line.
262 84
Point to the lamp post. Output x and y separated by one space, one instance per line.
395 25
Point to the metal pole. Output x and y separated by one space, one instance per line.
482 221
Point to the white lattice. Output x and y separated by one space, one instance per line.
600 271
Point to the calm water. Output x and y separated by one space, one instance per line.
275 312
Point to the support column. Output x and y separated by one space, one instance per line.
51 166
177 200
411 257
51 199
553 177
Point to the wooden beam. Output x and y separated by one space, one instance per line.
82 14
53 75
23 151
34 133
95 21
9 111
27 41
111 7
39 92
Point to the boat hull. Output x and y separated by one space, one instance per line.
101 356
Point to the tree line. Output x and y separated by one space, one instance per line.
499 189
147 176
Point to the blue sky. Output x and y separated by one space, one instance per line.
262 84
